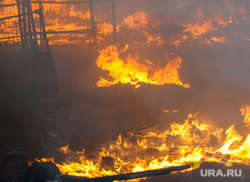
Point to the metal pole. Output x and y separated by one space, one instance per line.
24 27
20 22
92 21
34 41
43 27
114 21
29 29
52 64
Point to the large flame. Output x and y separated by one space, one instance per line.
133 72
191 142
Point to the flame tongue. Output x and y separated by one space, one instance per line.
192 142
245 111
133 72
234 144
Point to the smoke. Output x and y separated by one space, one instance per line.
212 38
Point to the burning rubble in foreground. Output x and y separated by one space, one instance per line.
192 142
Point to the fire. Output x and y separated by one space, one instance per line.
56 18
136 21
9 27
42 160
133 72
64 149
179 40
245 111
154 38
234 144
198 27
175 110
204 24
219 39
191 142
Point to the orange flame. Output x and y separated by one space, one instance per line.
136 21
175 110
191 142
245 111
154 38
133 72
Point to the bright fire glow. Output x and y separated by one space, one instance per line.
175 110
138 20
191 142
245 111
205 24
133 72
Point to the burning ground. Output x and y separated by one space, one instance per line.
145 147
191 142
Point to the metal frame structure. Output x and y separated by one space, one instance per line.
30 37
27 40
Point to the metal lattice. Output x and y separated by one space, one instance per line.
63 26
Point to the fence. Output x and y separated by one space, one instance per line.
10 39
56 26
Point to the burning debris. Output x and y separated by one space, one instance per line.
192 142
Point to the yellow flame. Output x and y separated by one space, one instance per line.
245 111
191 142
175 110
64 149
133 72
